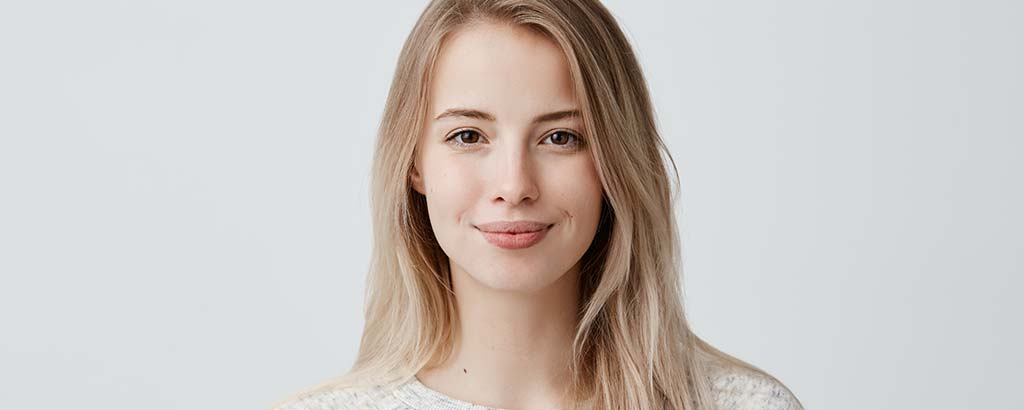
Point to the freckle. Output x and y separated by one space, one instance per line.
463 370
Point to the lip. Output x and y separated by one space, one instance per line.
514 234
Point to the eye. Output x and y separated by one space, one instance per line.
564 138
464 138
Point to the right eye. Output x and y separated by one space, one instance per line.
463 138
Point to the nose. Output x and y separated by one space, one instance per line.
517 182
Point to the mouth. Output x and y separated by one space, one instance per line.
519 235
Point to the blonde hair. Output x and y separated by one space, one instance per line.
633 347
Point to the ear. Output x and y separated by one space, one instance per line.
417 179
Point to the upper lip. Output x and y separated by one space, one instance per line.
513 226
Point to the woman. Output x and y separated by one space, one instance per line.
525 249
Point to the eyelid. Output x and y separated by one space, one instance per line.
458 130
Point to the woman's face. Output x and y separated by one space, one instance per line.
501 144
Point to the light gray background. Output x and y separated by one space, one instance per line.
184 217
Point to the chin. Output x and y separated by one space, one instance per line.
514 279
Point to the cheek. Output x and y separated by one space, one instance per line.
580 193
450 186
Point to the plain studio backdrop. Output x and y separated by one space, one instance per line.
184 204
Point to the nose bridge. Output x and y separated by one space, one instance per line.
516 174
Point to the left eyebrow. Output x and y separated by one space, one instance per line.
471 113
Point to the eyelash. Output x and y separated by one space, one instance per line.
577 144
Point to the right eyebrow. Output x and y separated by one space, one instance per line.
465 112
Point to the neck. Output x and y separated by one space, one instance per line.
512 348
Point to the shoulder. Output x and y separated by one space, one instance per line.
344 398
738 388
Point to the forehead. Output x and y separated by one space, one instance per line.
510 71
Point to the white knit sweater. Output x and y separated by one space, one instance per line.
733 389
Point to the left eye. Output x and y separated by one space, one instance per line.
562 138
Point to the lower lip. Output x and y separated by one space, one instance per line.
515 240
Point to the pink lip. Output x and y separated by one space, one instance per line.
514 234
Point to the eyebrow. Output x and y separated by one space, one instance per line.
471 113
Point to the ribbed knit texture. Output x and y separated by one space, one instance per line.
733 390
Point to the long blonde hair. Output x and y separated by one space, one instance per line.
633 347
